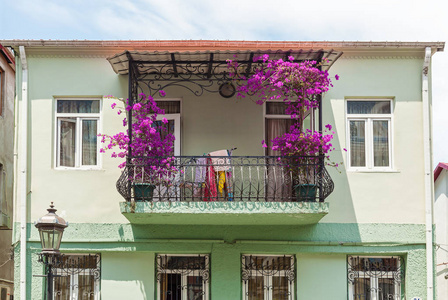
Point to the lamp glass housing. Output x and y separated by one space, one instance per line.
50 238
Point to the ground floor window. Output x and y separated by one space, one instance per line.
78 277
183 277
267 277
375 278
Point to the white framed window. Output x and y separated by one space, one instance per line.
183 277
369 134
376 278
77 127
266 277
78 277
172 109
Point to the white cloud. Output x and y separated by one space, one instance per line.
379 20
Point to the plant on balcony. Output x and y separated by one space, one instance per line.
150 144
298 84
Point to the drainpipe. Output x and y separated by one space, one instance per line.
428 177
23 172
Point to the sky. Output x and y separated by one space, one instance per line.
324 20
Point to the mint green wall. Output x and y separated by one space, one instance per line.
374 197
128 254
127 275
322 277
211 122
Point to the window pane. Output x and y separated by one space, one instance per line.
386 288
255 288
362 289
357 144
195 288
67 143
170 287
276 108
182 277
268 277
276 128
280 290
78 106
86 289
381 143
368 107
170 107
62 288
89 142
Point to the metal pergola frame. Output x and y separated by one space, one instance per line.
201 71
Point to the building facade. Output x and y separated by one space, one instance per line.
7 94
362 235
440 213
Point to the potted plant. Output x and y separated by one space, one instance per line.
151 146
300 155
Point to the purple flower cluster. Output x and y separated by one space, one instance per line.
150 143
297 84
308 143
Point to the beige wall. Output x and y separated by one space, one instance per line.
7 160
211 122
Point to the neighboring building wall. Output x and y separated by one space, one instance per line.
440 217
7 78
371 213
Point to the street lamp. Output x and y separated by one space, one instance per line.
51 227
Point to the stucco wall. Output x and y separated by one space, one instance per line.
7 161
211 122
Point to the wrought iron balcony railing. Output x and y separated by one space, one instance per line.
235 178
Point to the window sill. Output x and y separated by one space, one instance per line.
372 171
80 169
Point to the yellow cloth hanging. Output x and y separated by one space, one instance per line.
221 182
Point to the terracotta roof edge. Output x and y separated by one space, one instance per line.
231 44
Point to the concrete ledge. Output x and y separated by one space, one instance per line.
225 213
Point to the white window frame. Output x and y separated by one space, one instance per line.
177 123
284 117
205 286
368 119
267 280
374 292
77 118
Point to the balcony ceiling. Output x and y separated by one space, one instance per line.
210 62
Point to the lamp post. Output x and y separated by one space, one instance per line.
51 227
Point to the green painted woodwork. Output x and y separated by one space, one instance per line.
221 213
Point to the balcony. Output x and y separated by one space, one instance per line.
237 190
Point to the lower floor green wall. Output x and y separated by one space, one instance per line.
128 263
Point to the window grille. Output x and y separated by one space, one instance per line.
78 277
183 277
376 278
268 277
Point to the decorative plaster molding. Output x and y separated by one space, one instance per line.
380 57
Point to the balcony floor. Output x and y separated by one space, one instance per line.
225 213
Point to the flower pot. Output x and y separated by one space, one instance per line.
143 191
306 192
